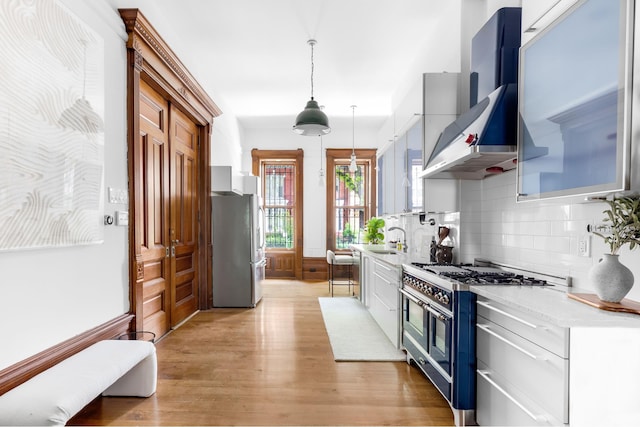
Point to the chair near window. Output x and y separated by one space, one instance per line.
337 260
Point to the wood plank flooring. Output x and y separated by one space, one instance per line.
271 365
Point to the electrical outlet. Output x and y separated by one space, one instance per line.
122 218
584 245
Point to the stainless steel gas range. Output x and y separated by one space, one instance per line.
438 326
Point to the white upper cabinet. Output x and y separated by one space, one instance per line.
536 14
574 103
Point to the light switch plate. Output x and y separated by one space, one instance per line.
118 196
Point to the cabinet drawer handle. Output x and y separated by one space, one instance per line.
485 375
384 280
509 315
383 266
506 341
383 302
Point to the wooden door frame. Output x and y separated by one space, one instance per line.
257 156
150 59
332 155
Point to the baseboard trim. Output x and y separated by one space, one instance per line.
22 371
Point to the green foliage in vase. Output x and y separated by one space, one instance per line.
373 234
623 216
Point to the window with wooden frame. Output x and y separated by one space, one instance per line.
351 196
279 199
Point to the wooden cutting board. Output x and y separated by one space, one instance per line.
624 306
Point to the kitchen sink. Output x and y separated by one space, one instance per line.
383 251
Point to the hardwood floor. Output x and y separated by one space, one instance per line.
271 365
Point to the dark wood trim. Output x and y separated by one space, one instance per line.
315 269
367 156
151 60
257 156
22 371
205 243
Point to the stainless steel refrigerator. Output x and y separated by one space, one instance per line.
239 261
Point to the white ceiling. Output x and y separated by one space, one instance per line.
253 59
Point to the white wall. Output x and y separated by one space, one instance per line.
225 141
50 295
314 228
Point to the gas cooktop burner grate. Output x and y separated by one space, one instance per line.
472 275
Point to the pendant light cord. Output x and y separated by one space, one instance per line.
312 43
353 127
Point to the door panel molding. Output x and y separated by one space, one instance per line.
150 60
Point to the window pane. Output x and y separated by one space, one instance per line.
279 228
349 186
279 203
349 202
349 224
416 185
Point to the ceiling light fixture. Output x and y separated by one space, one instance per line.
353 166
312 121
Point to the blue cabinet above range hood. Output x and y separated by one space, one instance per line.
482 141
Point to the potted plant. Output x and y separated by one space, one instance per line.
611 279
372 234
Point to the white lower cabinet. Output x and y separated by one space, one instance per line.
384 298
522 368
366 278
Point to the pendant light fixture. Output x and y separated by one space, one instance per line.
312 121
353 166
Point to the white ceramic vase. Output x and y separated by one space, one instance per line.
611 279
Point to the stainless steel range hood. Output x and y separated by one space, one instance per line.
482 141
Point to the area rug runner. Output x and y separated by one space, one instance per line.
354 334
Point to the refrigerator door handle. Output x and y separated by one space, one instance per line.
260 263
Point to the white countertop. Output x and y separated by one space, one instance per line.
396 259
556 307
549 304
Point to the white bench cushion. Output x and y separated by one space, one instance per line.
117 368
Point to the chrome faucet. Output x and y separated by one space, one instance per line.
404 237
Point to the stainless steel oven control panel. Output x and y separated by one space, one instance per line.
441 296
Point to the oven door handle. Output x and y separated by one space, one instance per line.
424 306
411 297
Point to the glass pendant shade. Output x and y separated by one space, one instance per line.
312 121
353 165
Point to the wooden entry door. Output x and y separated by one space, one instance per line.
281 172
183 178
168 225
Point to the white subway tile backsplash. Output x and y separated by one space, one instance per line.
539 236
553 244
